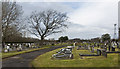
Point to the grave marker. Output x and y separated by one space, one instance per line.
64 53
104 53
98 52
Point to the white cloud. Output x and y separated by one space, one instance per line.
90 19
91 14
63 0
97 17
29 7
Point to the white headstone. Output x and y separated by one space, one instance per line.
74 44
8 47
5 50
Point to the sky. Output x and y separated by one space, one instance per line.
89 19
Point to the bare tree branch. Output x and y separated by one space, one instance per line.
10 17
47 22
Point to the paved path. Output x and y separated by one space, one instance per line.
23 60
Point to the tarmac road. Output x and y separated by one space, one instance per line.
23 60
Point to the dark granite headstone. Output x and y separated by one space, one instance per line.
93 49
109 47
117 44
104 53
98 52
113 48
98 45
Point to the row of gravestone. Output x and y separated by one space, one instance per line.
85 47
100 52
104 53
111 46
18 47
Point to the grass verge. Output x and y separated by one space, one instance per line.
13 53
99 61
9 54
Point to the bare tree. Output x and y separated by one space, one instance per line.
10 17
45 23
0 22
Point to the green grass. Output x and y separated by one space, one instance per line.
3 55
20 52
99 61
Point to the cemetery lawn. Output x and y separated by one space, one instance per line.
9 54
45 60
4 55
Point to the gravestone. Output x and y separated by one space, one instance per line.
105 48
3 45
102 46
95 44
63 53
8 47
113 48
70 47
98 52
117 44
29 45
93 49
80 48
88 47
5 50
14 48
98 45
19 48
109 47
104 53
74 44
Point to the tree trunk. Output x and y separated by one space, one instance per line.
42 37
